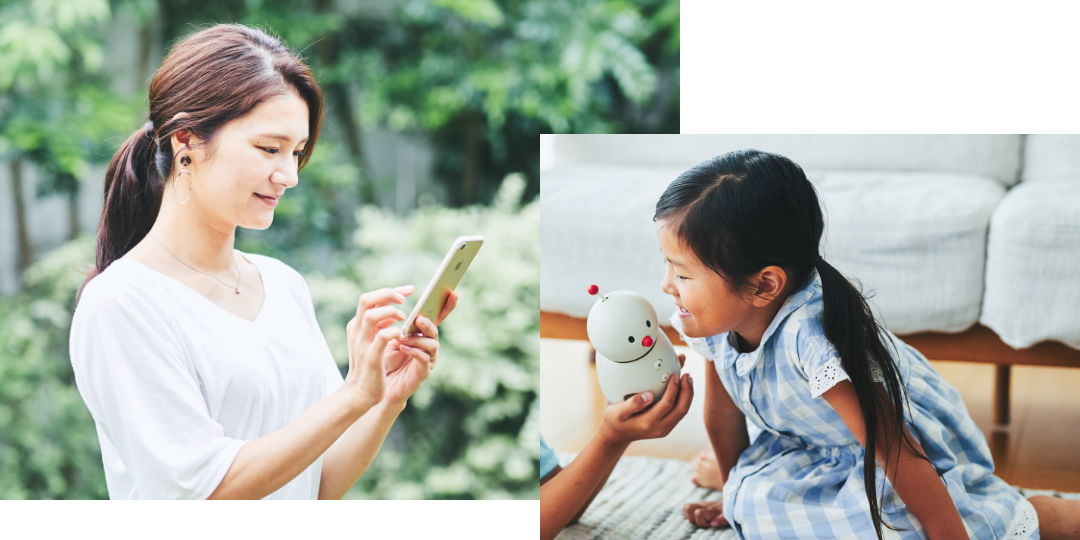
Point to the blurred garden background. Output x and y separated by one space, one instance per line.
434 108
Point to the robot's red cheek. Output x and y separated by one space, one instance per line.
647 341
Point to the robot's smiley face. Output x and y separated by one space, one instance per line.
622 326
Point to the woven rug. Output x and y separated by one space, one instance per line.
644 497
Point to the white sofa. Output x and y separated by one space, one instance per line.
948 231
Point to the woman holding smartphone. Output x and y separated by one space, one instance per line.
203 367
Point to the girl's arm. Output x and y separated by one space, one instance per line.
724 422
913 478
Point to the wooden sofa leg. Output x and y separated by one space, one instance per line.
1001 394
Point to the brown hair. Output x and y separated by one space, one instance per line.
216 75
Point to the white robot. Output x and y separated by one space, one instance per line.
632 353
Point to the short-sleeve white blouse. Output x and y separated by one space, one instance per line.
176 384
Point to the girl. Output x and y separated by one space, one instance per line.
795 349
203 367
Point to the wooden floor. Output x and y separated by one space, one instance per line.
1037 450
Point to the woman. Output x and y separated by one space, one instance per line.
204 367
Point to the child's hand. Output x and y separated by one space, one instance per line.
633 420
706 514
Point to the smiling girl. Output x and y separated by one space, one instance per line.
860 433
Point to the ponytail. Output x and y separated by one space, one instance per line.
850 326
746 210
133 190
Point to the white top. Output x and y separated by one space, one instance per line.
176 384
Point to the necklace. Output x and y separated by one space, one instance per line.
238 275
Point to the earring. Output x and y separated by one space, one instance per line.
176 194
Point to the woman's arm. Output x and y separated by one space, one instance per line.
724 422
266 464
352 454
914 479
411 359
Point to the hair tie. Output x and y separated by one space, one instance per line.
818 259
148 127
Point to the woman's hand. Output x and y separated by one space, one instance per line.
410 359
369 334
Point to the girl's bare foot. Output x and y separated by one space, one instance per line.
707 471
706 514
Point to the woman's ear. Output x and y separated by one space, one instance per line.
182 143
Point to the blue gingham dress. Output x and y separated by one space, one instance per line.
802 477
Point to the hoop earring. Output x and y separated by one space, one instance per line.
176 194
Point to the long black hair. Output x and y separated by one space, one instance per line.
746 210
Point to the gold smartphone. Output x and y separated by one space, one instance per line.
446 279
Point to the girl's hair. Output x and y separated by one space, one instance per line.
216 75
746 210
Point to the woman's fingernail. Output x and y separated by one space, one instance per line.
714 522
646 397
400 297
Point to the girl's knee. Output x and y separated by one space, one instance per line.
1045 508
1058 518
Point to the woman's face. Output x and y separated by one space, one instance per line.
254 162
707 306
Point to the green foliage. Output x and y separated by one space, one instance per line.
48 443
540 59
470 430
44 36
59 108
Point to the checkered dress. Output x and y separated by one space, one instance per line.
802 477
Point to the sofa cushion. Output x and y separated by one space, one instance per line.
1032 264
995 156
596 228
917 239
1052 157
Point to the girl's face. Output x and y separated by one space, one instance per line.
706 306
254 162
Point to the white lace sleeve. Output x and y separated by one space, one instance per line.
831 372
826 376
697 345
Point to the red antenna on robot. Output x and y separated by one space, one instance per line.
593 289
